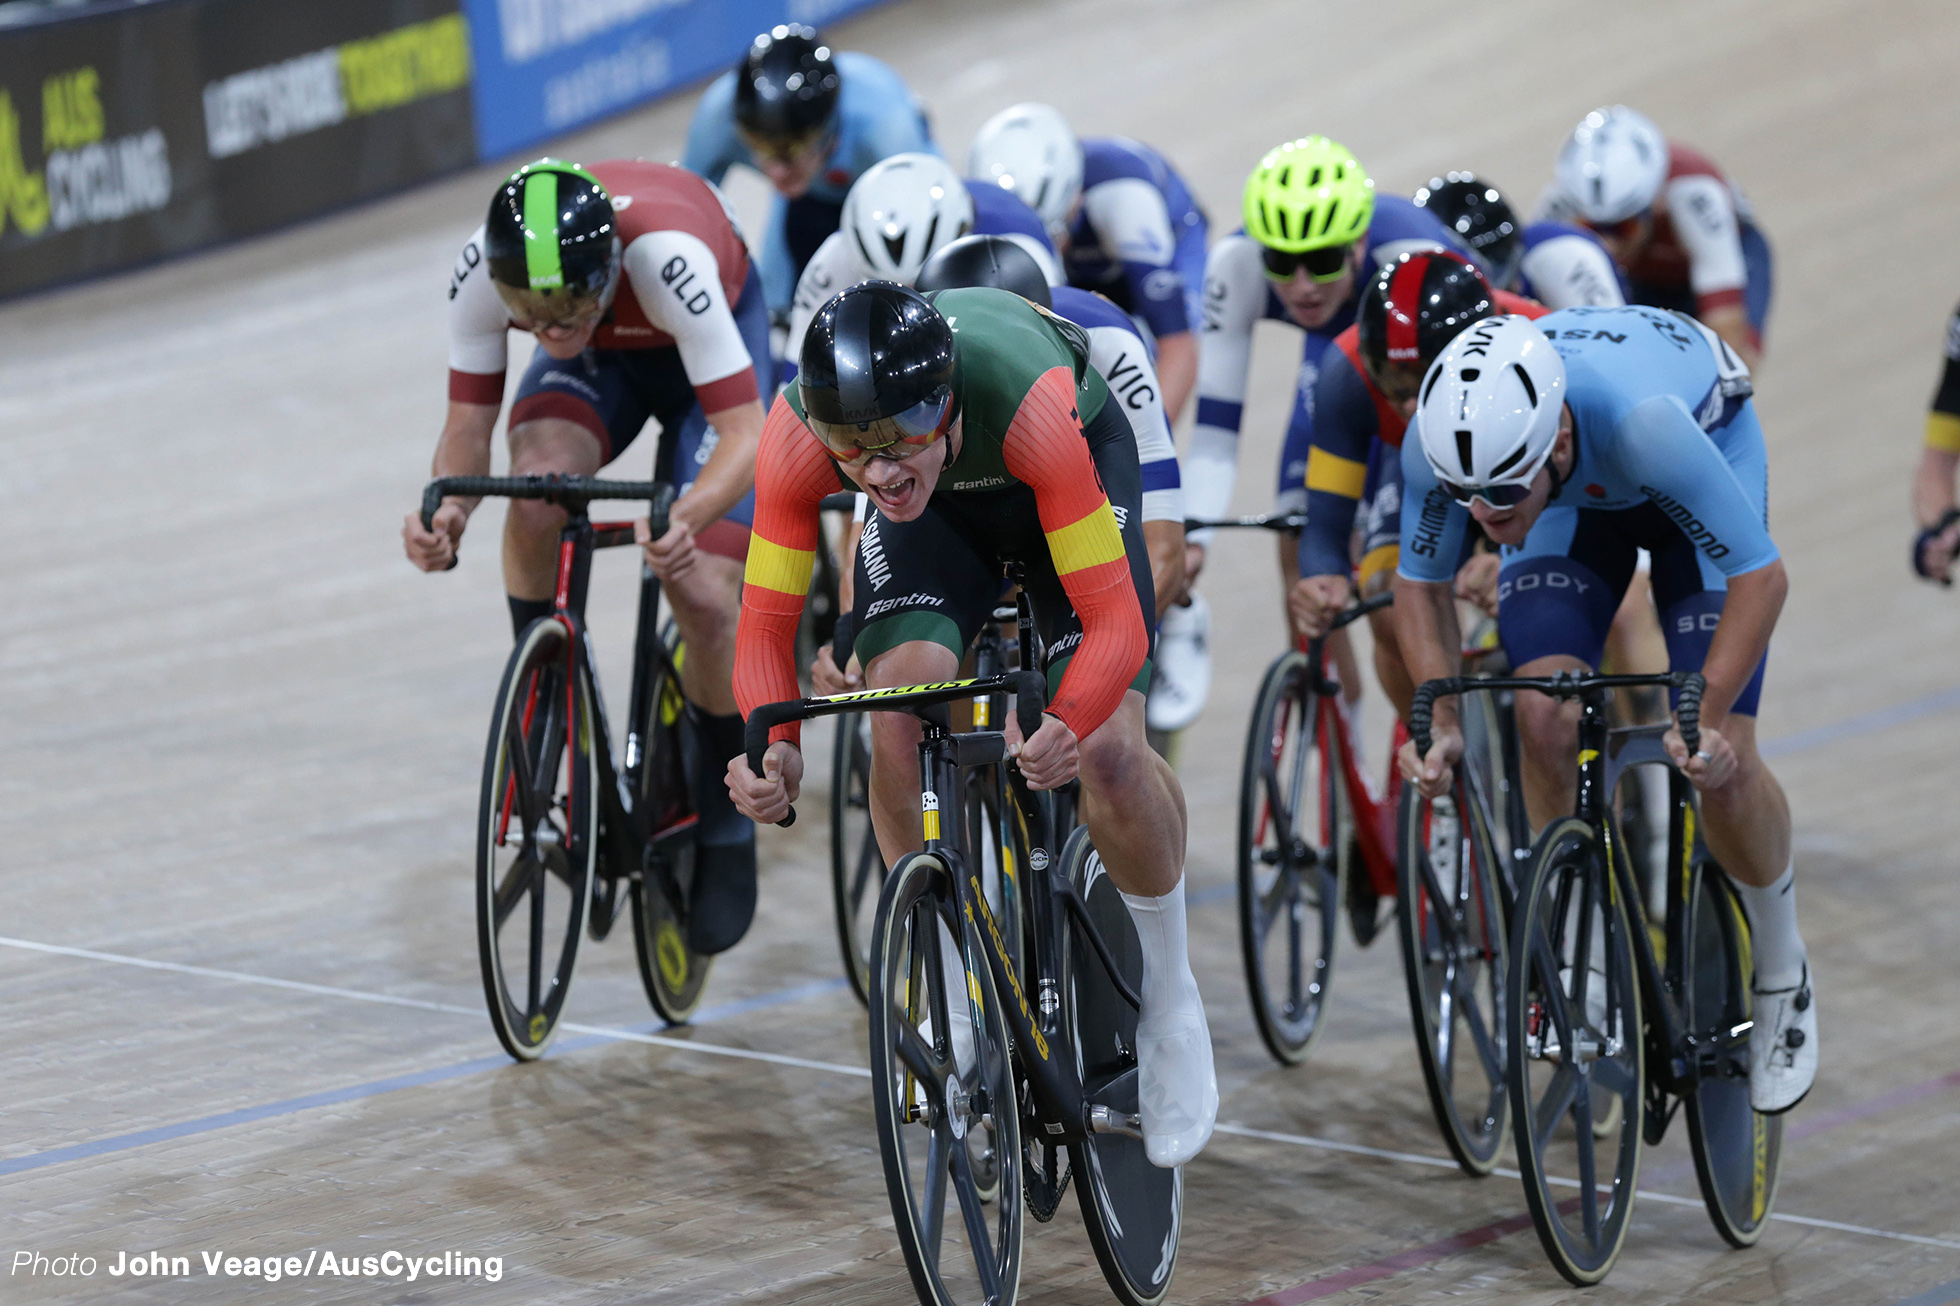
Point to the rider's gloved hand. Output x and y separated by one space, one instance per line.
1315 601
1050 759
1432 775
766 798
435 550
1933 549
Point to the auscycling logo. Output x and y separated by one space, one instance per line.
87 178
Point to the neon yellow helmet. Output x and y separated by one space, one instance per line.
1308 194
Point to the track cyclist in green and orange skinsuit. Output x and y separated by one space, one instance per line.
982 435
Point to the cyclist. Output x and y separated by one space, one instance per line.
811 121
1573 441
639 289
1125 222
1932 484
1363 399
1558 264
900 213
1677 224
980 432
1315 234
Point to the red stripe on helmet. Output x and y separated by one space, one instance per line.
1403 300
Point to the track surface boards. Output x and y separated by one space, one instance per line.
243 735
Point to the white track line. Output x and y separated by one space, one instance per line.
860 1072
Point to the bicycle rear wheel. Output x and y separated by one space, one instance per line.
1293 823
1738 1153
1134 1210
857 868
1450 910
535 848
673 975
942 1089
1575 1006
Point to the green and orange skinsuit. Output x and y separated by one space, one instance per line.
1026 391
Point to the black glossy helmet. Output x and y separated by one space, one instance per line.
1414 307
876 373
986 261
1476 211
785 89
552 245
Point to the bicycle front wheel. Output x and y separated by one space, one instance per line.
535 847
1134 1210
1451 915
1738 1153
1292 861
857 868
673 975
942 1089
1574 1004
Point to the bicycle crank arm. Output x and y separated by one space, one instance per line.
1104 1120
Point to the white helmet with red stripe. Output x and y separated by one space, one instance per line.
1612 165
1488 411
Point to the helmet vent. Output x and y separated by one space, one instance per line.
1530 390
1313 178
1333 212
1471 373
863 248
1463 452
1509 462
1435 375
932 230
895 246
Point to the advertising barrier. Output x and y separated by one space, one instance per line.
546 66
129 132
144 131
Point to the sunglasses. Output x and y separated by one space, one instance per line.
1497 496
784 149
1322 265
910 433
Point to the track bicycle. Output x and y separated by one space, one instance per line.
1309 819
857 867
1615 1016
566 837
997 1078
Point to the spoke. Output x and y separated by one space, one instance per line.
1552 1107
867 858
1285 885
1545 961
919 1058
934 1211
518 880
1613 1076
537 952
1588 1165
1487 1050
517 749
976 1223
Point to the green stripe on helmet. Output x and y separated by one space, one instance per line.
541 259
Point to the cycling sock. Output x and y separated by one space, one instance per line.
1168 984
720 738
525 611
1778 947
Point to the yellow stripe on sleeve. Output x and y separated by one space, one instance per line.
1088 541
1943 432
773 567
1333 474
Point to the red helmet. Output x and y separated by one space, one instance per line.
1414 307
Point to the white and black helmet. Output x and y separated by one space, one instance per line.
1488 411
903 210
1030 150
1612 165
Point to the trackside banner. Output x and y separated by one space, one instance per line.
545 66
154 129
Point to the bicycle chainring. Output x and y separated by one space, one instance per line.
1045 1171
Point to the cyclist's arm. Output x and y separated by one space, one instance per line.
677 280
1433 530
712 144
792 475
1344 427
1235 297
1120 355
1572 271
1129 217
1045 449
1704 217
479 327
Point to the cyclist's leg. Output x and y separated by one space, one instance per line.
571 416
1556 598
923 589
1761 285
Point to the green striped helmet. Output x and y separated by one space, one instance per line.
552 245
1308 194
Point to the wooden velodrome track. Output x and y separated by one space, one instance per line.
242 738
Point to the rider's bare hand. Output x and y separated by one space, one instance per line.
1712 766
827 679
1050 759
1432 775
766 798
1315 601
1476 583
435 550
672 555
